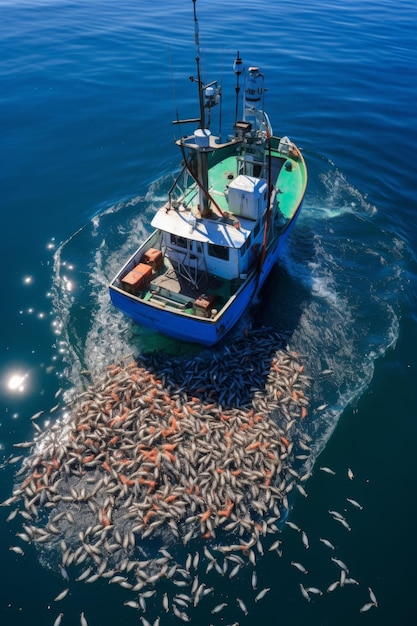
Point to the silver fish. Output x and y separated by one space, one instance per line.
354 503
219 608
58 620
262 594
61 595
165 602
299 566
340 564
304 592
242 606
314 590
132 603
304 539
372 596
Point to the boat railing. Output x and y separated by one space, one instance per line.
178 189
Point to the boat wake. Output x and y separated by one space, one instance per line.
333 295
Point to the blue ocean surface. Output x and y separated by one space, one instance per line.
88 92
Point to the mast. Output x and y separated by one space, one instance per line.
202 134
202 142
237 68
197 60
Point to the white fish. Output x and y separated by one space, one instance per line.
327 543
242 606
148 594
340 564
366 607
299 567
293 526
328 470
254 580
85 574
350 474
58 620
304 592
36 415
358 506
83 620
275 545
372 596
208 554
333 586
235 570
61 595
302 490
336 514
318 592
219 608
342 521
351 581
17 549
262 594
304 539
145 621
132 603
165 602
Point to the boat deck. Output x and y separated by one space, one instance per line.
289 182
171 289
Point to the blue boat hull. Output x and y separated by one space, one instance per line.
190 328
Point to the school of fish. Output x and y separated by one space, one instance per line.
165 468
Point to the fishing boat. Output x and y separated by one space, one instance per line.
223 224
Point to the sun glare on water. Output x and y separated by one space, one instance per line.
17 382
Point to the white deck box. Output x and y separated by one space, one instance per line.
247 196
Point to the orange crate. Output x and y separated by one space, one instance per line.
204 304
137 278
153 257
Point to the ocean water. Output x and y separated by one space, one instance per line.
88 92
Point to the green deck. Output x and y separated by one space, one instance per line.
290 186
290 183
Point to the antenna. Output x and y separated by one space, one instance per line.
197 60
238 69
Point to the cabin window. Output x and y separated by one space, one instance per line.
180 242
218 252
